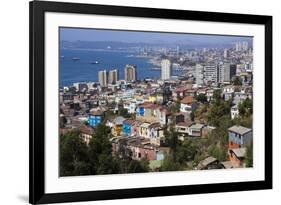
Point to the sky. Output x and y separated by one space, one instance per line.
75 34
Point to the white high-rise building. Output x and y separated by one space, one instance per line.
130 73
241 46
245 45
211 73
225 53
166 69
113 76
103 77
238 46
199 74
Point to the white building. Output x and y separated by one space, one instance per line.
103 79
166 69
234 111
199 73
130 73
211 73
245 45
113 76
80 86
225 53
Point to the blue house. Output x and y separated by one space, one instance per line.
239 137
140 111
127 127
95 118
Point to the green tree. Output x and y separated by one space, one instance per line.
218 151
245 108
201 98
170 165
138 166
237 81
100 152
175 107
73 155
186 152
249 155
217 96
124 113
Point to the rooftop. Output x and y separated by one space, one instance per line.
185 124
187 100
239 152
204 163
239 129
119 120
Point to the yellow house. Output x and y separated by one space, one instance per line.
117 126
152 98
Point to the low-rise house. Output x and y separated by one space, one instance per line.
144 130
147 112
156 133
228 95
183 128
128 127
135 130
240 97
209 94
130 106
117 125
188 104
86 133
95 117
209 163
239 136
163 115
237 156
179 93
234 111
195 130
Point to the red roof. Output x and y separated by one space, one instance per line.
181 89
187 100
149 105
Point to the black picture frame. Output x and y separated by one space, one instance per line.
37 10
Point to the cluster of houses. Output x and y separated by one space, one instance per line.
239 139
84 107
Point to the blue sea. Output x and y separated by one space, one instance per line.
83 71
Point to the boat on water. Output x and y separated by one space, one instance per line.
95 62
75 59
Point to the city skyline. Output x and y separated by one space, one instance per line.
152 37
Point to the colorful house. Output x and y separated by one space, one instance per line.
239 137
156 133
95 118
147 112
128 127
117 125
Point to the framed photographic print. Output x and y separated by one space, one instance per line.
140 102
